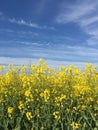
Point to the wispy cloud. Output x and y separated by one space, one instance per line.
18 37
29 61
16 61
29 24
89 53
62 54
25 53
89 21
76 12
84 13
49 62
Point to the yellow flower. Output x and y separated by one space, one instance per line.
75 125
45 95
28 93
21 105
29 116
10 110
56 115
83 107
97 102
41 60
88 65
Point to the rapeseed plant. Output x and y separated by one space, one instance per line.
39 97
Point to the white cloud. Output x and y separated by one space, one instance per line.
84 13
29 24
29 61
63 55
93 32
92 53
50 63
89 21
74 13
32 44
16 61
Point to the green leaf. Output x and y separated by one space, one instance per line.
95 128
18 128
97 123
18 120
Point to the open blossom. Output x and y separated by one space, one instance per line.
21 106
10 111
29 115
75 125
56 115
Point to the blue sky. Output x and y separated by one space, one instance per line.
62 32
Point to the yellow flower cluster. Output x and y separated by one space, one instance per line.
10 111
29 115
75 125
45 95
21 106
56 115
65 99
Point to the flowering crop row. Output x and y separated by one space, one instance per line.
38 97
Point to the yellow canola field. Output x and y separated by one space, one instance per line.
38 97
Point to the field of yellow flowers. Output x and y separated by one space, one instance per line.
38 97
